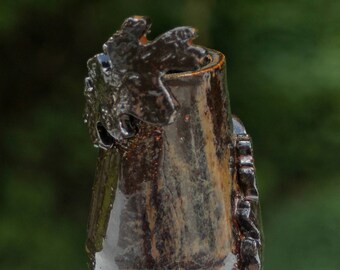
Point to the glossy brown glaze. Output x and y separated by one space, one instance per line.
180 195
172 207
126 80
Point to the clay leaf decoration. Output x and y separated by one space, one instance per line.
125 81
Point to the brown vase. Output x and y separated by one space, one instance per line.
180 195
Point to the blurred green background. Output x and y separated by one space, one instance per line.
284 82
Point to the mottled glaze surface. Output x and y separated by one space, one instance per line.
177 194
126 79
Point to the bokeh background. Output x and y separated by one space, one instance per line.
284 83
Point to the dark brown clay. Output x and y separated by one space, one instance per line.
175 183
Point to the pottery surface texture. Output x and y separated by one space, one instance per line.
175 179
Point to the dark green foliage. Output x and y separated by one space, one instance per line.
284 81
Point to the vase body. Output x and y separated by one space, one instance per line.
165 199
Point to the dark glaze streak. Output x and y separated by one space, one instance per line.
216 98
139 175
143 155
